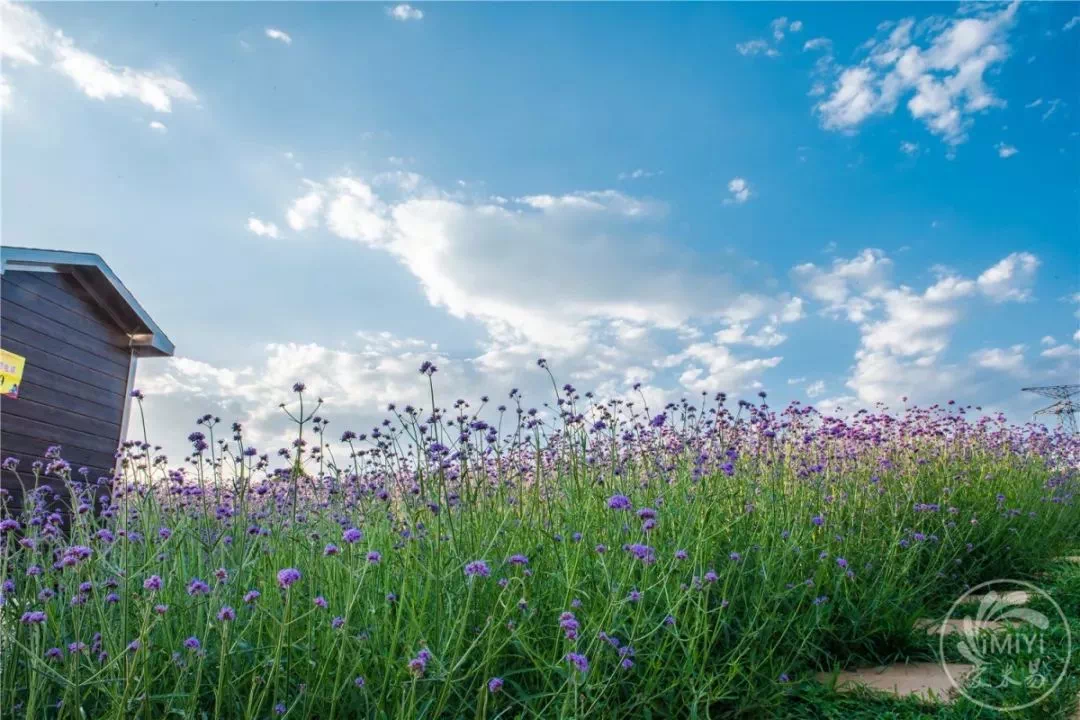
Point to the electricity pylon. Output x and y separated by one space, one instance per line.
1066 407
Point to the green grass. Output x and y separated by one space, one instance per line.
809 545
813 700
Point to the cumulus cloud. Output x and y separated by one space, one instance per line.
263 229
405 13
158 126
939 65
279 35
508 264
905 333
756 47
818 43
815 388
844 287
1010 279
1005 150
1009 360
740 191
26 39
304 211
1073 22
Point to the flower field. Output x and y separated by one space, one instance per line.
581 558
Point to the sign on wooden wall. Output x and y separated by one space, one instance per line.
11 370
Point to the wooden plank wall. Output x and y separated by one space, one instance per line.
73 388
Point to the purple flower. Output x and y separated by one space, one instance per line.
337 622
33 617
784 678
320 602
711 576
197 587
352 535
495 685
634 596
226 614
735 557
280 707
619 502
821 600
152 583
330 549
134 646
287 577
578 661
681 554
192 643
54 654
477 567
161 609
359 681
841 562
374 557
251 596
518 560
818 520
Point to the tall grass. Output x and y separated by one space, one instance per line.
592 560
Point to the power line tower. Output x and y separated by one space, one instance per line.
1067 403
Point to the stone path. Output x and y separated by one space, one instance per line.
925 681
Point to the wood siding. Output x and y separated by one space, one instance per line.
73 390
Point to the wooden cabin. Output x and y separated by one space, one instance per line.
70 335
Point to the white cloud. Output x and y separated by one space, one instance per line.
756 47
1004 150
943 77
1048 340
5 93
1073 22
740 191
841 288
1061 351
24 35
779 25
710 367
814 389
158 126
263 229
795 26
909 148
1010 279
1034 103
1052 108
905 333
279 35
639 174
818 43
304 212
1009 360
509 264
796 381
404 13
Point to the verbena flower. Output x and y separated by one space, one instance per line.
578 661
619 502
495 684
477 568
287 577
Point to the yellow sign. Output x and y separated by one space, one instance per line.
11 370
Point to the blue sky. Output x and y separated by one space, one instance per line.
842 204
